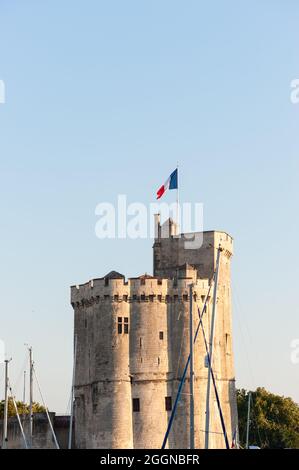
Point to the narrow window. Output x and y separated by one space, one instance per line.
160 298
85 323
151 298
161 335
119 325
168 403
126 325
125 298
136 405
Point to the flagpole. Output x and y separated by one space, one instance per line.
178 202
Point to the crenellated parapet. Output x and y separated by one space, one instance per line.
142 289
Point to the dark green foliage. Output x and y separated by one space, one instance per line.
274 420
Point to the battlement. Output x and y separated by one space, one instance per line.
142 289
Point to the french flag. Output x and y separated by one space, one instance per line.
170 183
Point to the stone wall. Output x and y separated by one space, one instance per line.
42 435
133 343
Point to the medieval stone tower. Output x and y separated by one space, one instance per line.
133 342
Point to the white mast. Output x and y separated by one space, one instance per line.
73 395
191 369
30 398
211 342
4 443
248 421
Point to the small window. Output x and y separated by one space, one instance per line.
168 403
126 325
116 298
85 323
125 298
161 335
143 297
151 298
136 405
160 298
119 326
185 298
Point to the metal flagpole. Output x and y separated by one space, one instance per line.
177 202
207 430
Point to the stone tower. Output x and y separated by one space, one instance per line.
133 343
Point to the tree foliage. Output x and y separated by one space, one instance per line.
274 420
23 408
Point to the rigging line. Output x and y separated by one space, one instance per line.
181 384
255 420
244 343
68 404
214 382
181 347
46 408
18 416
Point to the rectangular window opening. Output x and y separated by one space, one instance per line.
168 403
136 405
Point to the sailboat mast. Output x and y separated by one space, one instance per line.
4 443
211 342
24 388
73 395
248 420
191 368
30 398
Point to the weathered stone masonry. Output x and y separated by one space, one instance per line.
132 345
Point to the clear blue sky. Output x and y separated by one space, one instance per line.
103 98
